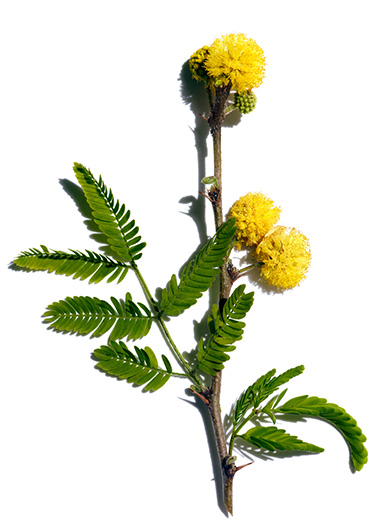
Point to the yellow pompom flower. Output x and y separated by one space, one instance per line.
256 214
285 257
235 58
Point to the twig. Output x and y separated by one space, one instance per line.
228 467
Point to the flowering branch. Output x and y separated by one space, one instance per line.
231 65
211 65
283 257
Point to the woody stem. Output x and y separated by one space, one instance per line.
228 467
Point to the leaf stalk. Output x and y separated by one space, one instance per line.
161 323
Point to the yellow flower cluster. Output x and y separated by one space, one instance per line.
233 59
282 253
285 257
236 59
256 214
197 66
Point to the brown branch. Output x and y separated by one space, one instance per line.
228 467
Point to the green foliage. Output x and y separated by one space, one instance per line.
141 368
82 266
85 315
301 406
273 439
112 218
258 392
225 329
199 274
337 416
210 180
125 319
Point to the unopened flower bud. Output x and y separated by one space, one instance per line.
245 102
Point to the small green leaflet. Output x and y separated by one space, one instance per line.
273 439
199 274
226 329
89 265
112 218
210 180
337 416
260 390
91 315
140 368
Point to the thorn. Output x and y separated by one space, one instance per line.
206 196
212 195
206 401
242 466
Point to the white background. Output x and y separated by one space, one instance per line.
99 83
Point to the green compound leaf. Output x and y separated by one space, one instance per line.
226 329
337 416
138 368
199 274
90 315
273 439
112 218
262 388
88 265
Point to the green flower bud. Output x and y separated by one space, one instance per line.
245 102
